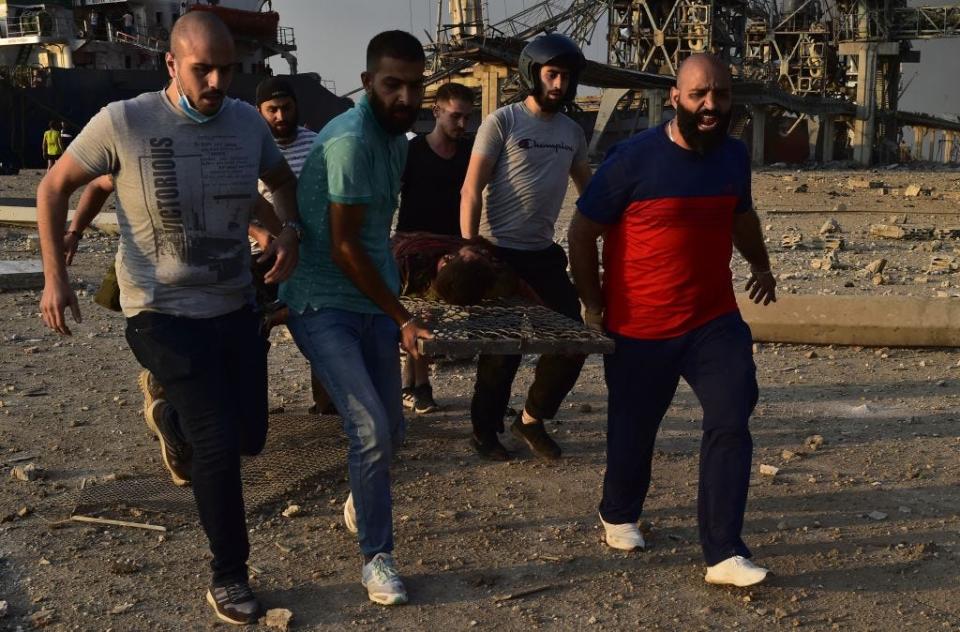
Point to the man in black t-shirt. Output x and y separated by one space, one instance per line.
430 201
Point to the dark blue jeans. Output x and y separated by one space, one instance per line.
716 360
214 371
357 358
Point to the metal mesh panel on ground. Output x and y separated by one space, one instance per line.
300 450
503 327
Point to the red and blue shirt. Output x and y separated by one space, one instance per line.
666 254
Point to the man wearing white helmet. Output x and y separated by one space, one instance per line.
515 185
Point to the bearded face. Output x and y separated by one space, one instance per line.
704 129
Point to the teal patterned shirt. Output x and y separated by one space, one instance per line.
353 161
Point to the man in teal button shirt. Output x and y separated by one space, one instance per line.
344 313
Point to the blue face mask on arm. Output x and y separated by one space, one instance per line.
193 113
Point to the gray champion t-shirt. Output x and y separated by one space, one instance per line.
533 159
186 191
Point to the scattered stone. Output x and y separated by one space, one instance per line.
790 178
779 613
124 607
27 473
877 515
792 240
43 618
951 232
789 455
4 608
829 261
586 409
878 279
278 618
833 243
782 525
813 442
863 183
800 189
915 190
876 266
830 226
840 208
291 511
810 355
23 512
891 231
768 470
931 246
943 265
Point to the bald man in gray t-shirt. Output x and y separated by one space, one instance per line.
522 159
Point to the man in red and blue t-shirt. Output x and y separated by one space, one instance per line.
671 203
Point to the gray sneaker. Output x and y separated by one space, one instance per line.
382 581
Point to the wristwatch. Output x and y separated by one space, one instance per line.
296 226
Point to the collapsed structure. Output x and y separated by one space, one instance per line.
826 72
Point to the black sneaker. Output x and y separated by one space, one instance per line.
409 397
423 400
177 453
489 447
536 438
234 603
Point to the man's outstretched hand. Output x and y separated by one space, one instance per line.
762 287
412 331
57 296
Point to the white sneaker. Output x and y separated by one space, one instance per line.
626 537
383 582
350 514
736 571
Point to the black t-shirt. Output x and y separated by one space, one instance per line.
430 198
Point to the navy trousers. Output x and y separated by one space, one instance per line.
716 360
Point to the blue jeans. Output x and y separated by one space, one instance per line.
357 358
716 360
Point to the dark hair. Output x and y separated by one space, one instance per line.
463 282
450 91
55 123
396 44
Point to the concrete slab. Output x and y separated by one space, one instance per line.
21 275
875 321
26 216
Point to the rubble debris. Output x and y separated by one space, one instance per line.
876 266
840 208
889 231
950 232
27 473
833 243
931 246
292 511
801 189
863 183
811 355
790 455
829 261
4 608
522 593
43 618
278 618
829 226
768 470
792 240
943 265
118 523
813 442
915 190
877 515
878 279
122 608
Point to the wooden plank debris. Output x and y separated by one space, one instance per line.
118 523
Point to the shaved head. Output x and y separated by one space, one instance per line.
199 28
702 100
702 65
201 61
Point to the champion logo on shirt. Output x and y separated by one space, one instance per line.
529 143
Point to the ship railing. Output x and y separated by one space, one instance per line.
286 37
39 25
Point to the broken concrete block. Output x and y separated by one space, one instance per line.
878 279
26 473
829 226
863 183
21 275
950 232
789 455
790 178
769 470
834 243
915 190
278 618
943 265
813 442
889 231
291 511
876 266
791 240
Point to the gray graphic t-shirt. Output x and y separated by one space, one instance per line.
533 159
186 191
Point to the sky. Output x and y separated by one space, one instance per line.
332 36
